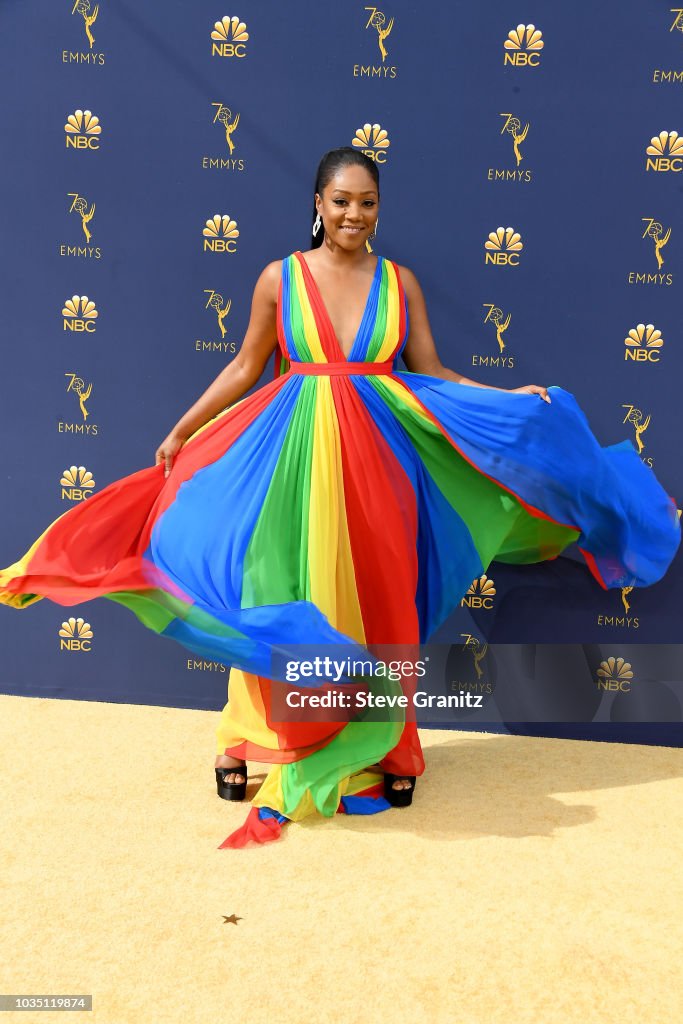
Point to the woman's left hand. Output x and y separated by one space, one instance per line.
534 389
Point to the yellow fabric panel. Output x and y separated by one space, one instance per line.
244 716
391 328
310 328
332 579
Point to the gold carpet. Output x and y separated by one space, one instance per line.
533 880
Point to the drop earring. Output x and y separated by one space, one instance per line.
317 224
374 230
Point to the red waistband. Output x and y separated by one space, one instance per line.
346 369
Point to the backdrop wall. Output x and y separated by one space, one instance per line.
156 158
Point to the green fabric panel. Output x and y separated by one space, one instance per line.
276 560
379 329
295 316
360 743
156 609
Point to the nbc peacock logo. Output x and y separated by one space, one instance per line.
82 130
503 247
77 483
373 140
480 593
220 234
75 635
643 344
523 47
615 675
229 37
80 314
665 153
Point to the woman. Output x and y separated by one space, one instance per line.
345 502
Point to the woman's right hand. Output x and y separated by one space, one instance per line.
167 451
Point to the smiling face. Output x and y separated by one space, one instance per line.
348 206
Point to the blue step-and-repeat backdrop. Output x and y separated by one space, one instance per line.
157 156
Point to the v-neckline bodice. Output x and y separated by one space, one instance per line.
308 277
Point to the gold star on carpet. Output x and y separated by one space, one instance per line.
233 919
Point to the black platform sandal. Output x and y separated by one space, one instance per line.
398 797
231 790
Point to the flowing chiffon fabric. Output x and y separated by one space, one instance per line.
345 502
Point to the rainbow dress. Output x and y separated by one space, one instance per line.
368 499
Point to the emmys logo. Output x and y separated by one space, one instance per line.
88 14
80 314
466 662
221 308
477 649
654 231
76 385
523 47
643 344
229 35
659 75
480 594
197 665
83 130
503 247
373 140
512 126
77 483
624 621
640 424
660 238
79 206
224 117
83 8
667 151
220 234
75 635
377 22
494 316
228 122
500 322
614 674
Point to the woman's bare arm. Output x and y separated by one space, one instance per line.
244 370
420 354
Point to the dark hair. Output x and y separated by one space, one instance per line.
334 160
